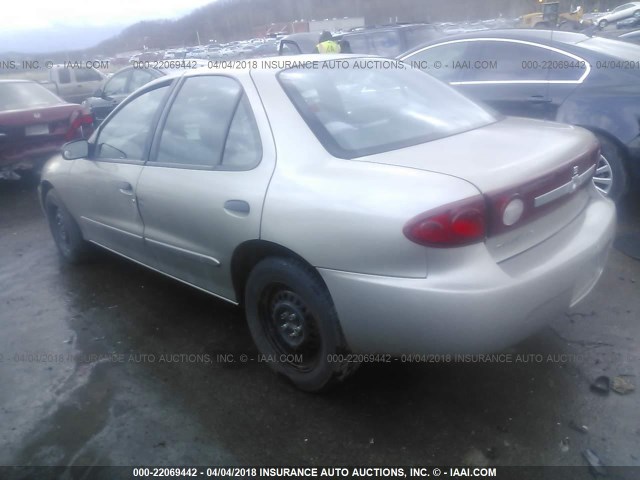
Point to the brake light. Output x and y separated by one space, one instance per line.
454 225
81 126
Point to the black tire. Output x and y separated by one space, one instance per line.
285 289
66 233
611 171
603 24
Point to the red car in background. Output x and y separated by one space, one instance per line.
34 124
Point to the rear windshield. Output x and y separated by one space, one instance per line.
24 95
367 106
613 48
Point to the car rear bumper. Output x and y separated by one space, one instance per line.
29 156
477 305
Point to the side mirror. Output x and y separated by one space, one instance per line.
76 149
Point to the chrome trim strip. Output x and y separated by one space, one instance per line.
138 237
233 302
213 261
566 189
518 82
505 82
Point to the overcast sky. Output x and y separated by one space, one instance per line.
21 15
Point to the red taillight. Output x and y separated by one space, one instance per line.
453 225
81 126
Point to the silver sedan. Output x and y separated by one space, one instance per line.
351 205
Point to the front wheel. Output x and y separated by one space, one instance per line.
611 176
66 233
603 23
294 324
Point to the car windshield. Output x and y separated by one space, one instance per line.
23 95
613 48
365 106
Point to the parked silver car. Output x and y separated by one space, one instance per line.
350 209
626 10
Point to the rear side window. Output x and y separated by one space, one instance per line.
362 111
513 61
126 134
497 61
243 149
210 125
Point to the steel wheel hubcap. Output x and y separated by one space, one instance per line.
603 178
292 330
290 321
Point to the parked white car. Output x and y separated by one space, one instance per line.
623 11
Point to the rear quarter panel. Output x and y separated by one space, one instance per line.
344 214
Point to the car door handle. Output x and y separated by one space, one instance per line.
539 99
126 188
237 206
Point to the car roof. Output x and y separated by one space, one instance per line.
633 33
302 36
272 63
530 34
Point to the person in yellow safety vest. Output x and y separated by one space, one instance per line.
327 44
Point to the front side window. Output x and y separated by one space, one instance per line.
210 125
139 78
117 85
126 134
445 61
289 48
362 111
358 43
87 75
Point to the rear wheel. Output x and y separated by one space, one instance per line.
66 233
611 177
295 325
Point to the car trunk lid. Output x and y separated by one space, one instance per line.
37 122
547 166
